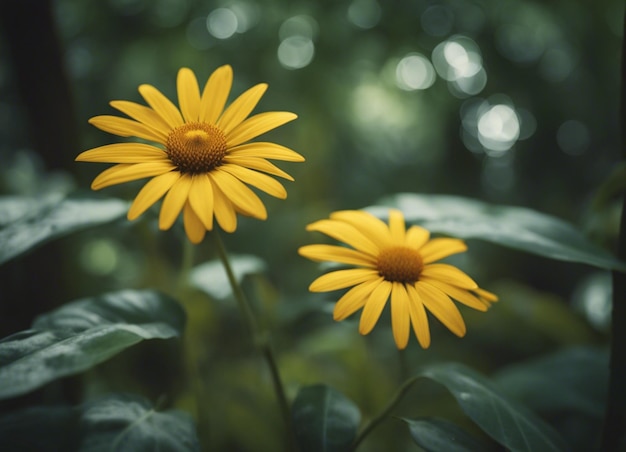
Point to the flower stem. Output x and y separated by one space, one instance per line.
372 424
260 338
614 433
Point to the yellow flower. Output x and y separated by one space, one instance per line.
393 260
203 158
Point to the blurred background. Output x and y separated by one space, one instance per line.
509 101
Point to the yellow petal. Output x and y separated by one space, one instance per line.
439 248
123 153
188 94
143 114
397 227
416 236
126 172
341 279
258 125
162 105
374 307
259 180
241 108
224 210
266 150
488 296
419 319
442 307
151 193
339 254
400 317
345 233
370 226
215 94
244 199
257 164
174 201
201 199
449 274
461 295
354 299
127 128
193 226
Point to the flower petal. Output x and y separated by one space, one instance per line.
162 105
225 213
340 279
215 94
442 307
241 108
266 150
174 201
354 299
461 295
448 274
346 233
127 128
439 248
397 227
259 180
419 319
123 153
144 115
486 295
416 236
400 316
258 164
244 199
373 228
339 254
374 307
194 228
188 94
201 199
257 125
151 193
126 172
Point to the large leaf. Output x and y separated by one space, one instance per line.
504 419
113 423
26 223
324 419
82 334
211 277
515 227
435 435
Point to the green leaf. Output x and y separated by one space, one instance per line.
504 419
514 227
82 334
26 223
324 419
211 277
112 423
437 435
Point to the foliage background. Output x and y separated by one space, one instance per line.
365 135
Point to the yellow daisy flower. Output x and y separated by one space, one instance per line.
391 260
203 156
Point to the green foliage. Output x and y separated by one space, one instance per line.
324 419
82 334
434 435
513 227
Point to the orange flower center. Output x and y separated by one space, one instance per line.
196 147
400 264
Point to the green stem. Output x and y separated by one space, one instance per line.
372 424
261 339
614 433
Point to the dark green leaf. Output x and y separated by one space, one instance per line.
113 423
211 278
435 435
505 420
82 334
27 223
514 227
325 420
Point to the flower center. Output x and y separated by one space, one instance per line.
400 264
196 147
